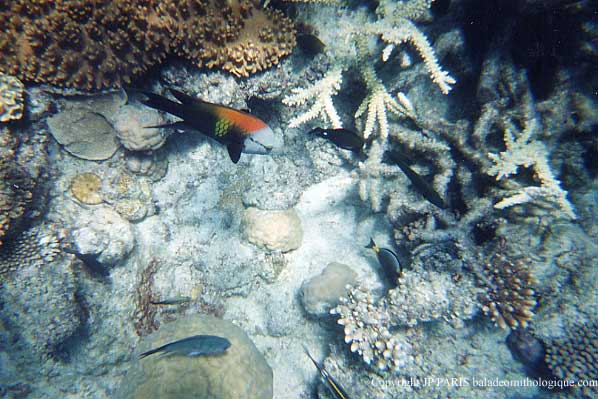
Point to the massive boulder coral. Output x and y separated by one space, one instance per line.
11 98
240 372
98 44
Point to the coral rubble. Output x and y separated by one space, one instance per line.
91 45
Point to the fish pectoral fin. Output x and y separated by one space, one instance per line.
234 151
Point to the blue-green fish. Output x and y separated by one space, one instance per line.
197 345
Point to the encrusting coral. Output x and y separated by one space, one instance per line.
98 44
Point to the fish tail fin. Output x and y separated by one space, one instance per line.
372 244
162 103
150 352
314 361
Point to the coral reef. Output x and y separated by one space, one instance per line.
240 372
88 46
11 98
86 188
23 168
273 230
42 281
575 358
322 292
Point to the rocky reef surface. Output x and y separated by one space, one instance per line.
105 214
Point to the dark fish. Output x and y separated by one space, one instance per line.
310 44
388 261
239 131
178 300
343 138
419 183
337 390
197 345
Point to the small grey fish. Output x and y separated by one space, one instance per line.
337 390
197 345
177 300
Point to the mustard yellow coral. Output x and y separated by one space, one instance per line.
97 44
86 187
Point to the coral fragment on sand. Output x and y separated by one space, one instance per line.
89 46
11 98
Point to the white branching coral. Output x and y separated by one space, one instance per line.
321 93
419 297
523 150
404 32
378 102
366 329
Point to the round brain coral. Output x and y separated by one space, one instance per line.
97 44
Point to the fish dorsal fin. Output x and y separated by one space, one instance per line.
234 151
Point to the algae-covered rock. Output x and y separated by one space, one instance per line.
322 292
240 373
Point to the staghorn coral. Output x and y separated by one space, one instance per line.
509 299
522 149
98 44
576 357
11 98
394 25
323 90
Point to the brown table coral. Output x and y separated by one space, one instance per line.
98 44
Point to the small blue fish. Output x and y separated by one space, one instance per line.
197 345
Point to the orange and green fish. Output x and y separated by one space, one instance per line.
238 130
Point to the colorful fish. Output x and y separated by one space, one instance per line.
238 130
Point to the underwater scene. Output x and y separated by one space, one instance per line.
298 199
